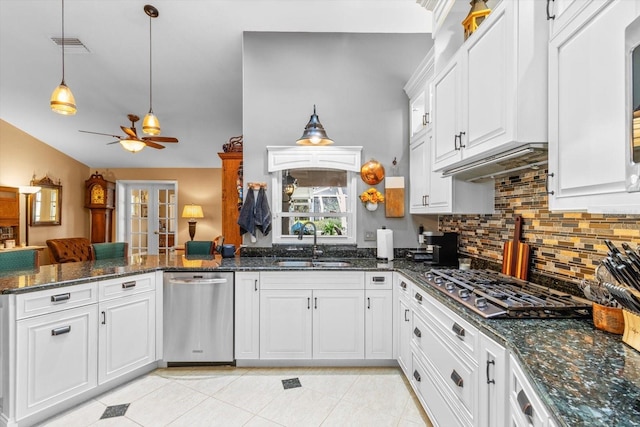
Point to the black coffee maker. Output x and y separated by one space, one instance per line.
441 249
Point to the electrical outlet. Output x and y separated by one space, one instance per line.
369 236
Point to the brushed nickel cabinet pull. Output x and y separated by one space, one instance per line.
406 311
549 15
417 332
403 285
490 362
104 317
61 330
368 303
418 297
255 285
457 379
459 330
129 285
524 403
549 175
416 375
60 297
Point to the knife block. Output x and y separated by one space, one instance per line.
631 334
608 319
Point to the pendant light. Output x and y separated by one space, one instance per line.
314 133
62 100
150 124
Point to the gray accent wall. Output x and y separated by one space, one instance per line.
356 82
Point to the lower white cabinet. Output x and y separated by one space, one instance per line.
526 409
305 324
56 358
247 315
127 335
378 320
492 383
403 319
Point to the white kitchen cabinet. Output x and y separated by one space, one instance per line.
338 324
378 325
490 96
418 89
403 319
526 409
492 383
285 324
562 12
587 111
127 335
56 358
247 315
420 170
319 315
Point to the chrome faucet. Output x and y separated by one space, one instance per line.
315 251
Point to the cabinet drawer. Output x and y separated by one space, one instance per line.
312 280
460 334
375 280
432 399
128 285
52 300
405 287
526 408
457 375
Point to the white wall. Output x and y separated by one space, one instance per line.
356 81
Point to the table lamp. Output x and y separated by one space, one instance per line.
192 212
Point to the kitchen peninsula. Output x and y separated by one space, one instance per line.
581 375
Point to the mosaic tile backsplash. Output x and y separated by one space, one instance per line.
566 245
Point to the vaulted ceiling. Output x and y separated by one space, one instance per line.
197 67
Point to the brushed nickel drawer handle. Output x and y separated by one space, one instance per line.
60 331
61 297
416 375
378 279
457 379
403 285
129 285
417 332
418 297
406 311
459 331
524 403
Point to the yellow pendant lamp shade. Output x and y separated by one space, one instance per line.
151 124
62 100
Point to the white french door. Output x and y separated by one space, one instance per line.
146 216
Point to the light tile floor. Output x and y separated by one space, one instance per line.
227 396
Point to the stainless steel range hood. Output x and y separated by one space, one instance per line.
500 163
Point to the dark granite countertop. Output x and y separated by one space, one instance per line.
586 377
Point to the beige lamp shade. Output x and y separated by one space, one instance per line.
62 100
151 124
132 145
192 211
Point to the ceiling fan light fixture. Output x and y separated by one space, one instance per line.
314 133
151 124
62 100
132 145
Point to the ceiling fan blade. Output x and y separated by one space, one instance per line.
129 131
160 138
154 145
113 142
99 133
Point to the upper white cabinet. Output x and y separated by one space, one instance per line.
562 12
588 108
490 96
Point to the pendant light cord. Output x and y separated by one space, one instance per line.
63 42
150 68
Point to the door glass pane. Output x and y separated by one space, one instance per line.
166 219
139 226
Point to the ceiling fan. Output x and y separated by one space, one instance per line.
131 142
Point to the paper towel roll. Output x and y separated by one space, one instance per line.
385 244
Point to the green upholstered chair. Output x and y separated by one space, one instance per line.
110 250
19 260
199 247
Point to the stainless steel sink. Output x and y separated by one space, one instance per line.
311 263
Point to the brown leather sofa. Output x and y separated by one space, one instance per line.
70 249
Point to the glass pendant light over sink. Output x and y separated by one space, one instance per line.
314 133
150 124
62 100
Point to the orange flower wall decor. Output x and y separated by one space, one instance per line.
372 196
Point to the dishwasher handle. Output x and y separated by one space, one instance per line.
197 281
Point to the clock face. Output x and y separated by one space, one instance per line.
97 195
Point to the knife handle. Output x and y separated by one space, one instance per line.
611 246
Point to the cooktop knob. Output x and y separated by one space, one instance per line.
481 303
450 286
463 293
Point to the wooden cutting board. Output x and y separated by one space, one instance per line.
515 256
394 196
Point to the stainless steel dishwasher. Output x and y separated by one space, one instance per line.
198 317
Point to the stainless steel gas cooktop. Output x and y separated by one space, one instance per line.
494 295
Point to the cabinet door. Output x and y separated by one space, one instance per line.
127 335
440 189
564 11
526 408
447 123
419 167
56 358
403 317
492 384
587 109
418 113
379 324
338 324
285 324
247 315
487 82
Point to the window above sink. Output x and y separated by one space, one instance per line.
314 184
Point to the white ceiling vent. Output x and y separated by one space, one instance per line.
71 45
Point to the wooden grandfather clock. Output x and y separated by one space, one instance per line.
99 198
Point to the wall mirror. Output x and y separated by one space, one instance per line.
46 204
